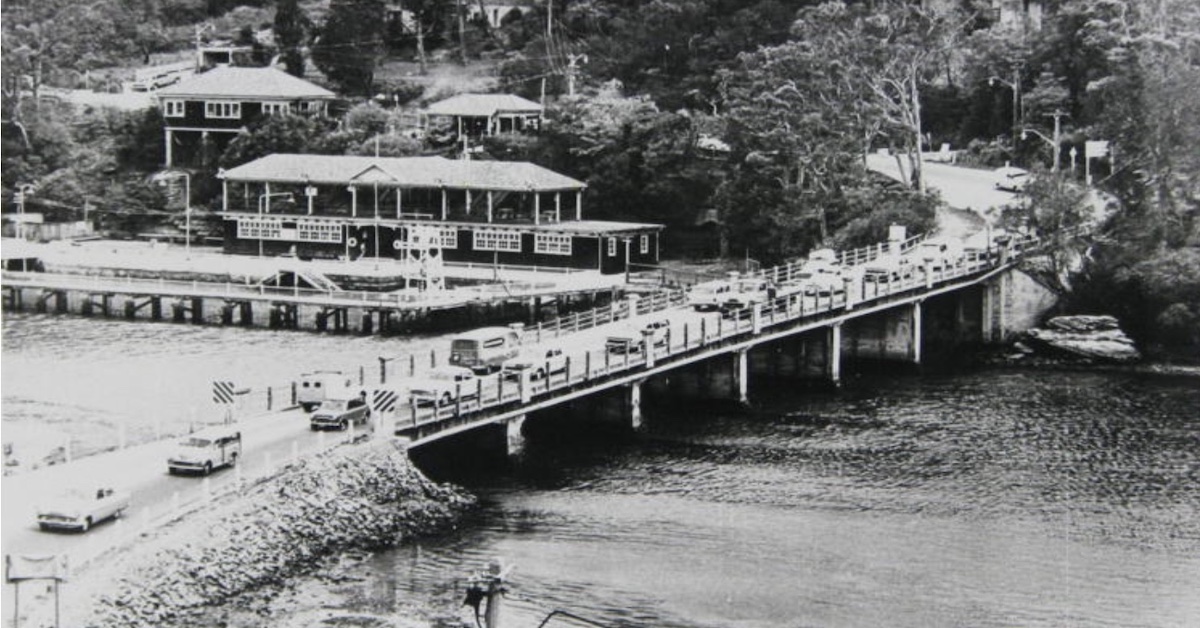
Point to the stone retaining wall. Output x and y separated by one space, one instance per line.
364 496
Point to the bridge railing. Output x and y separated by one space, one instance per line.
593 365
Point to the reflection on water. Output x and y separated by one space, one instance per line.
990 498
995 498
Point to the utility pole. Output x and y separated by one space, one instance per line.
572 69
462 33
1057 114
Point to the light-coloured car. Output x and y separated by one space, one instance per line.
939 253
887 269
1011 178
339 414
631 338
443 385
537 362
748 291
206 450
709 295
80 509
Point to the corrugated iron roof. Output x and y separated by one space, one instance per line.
412 172
484 105
246 83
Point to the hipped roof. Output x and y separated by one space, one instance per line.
246 83
482 105
409 172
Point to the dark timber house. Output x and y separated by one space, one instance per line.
484 212
204 113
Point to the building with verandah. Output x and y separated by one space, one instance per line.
487 212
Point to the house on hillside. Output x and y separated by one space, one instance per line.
477 115
481 212
204 113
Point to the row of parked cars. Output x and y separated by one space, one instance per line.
822 275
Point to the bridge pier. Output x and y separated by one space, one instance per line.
833 348
12 298
634 405
916 333
741 376
514 436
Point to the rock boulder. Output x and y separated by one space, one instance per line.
1090 337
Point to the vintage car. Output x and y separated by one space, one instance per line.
939 253
1011 178
709 295
340 414
442 386
205 450
630 338
538 362
80 509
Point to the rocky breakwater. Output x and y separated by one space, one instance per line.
360 497
1093 338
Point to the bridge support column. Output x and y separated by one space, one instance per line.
197 311
247 314
833 349
916 333
156 308
636 419
756 318
741 376
514 436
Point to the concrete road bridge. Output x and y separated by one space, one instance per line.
983 298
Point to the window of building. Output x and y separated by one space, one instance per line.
491 240
644 244
449 238
274 108
551 244
260 228
612 247
173 108
318 232
225 109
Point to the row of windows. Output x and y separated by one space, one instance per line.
223 109
552 244
318 232
230 109
498 241
260 228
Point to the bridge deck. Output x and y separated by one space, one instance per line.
594 369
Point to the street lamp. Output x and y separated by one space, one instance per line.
1015 86
1056 142
187 210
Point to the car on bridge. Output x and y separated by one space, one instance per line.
79 509
443 386
631 338
939 253
340 414
709 295
538 362
886 270
748 291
